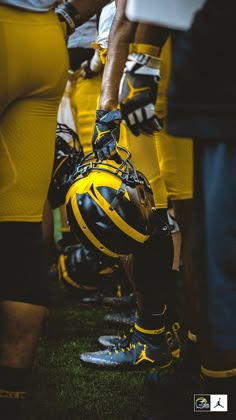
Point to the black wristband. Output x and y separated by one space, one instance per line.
67 13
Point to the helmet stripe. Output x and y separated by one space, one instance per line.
59 166
117 220
64 272
87 231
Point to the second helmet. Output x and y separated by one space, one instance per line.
68 153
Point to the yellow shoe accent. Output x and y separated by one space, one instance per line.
143 356
143 330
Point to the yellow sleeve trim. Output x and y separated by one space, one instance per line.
103 55
145 49
218 373
95 46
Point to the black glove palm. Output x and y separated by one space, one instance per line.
106 135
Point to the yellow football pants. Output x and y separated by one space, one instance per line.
34 64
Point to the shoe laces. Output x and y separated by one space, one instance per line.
126 343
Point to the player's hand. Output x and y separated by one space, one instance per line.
86 71
90 68
106 135
138 93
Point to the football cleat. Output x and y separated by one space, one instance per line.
120 301
127 318
172 337
112 301
133 351
106 341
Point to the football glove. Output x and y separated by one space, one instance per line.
138 93
90 68
106 135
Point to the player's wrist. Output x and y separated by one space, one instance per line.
147 49
107 117
142 61
67 13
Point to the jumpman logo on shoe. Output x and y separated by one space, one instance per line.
143 356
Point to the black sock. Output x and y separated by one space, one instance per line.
13 387
191 355
152 327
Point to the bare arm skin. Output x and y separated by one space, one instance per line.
121 34
151 34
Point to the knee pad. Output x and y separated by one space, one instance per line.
23 263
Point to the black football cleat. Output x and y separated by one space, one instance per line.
120 302
93 299
126 318
172 336
133 351
106 341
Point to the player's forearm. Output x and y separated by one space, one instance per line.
121 34
151 34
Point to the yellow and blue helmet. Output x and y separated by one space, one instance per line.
82 271
110 205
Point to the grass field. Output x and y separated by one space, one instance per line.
61 387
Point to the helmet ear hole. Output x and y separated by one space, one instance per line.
110 206
68 154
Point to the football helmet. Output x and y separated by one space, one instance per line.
68 153
81 271
110 205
